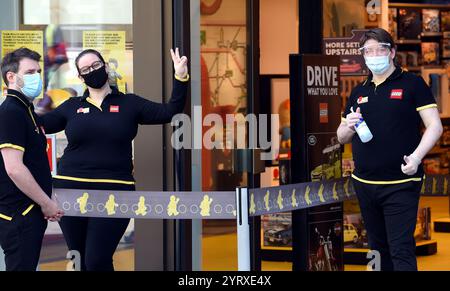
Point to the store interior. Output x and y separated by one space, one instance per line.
421 32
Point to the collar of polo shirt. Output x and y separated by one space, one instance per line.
396 74
20 96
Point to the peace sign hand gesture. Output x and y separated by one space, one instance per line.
179 64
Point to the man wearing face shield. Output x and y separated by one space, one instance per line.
388 168
100 127
25 179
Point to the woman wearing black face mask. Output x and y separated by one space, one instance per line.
100 127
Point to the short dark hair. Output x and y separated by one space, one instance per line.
86 52
379 35
12 60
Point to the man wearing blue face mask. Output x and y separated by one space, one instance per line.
388 173
25 179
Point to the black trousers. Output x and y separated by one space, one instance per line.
390 217
96 239
21 240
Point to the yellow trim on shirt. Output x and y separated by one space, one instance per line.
344 120
395 182
89 100
181 79
8 218
4 217
94 180
427 107
28 210
12 146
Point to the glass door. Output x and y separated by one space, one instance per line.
224 72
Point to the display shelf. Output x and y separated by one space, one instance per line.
438 151
431 34
419 41
419 68
432 67
442 225
408 41
359 256
420 30
414 68
407 5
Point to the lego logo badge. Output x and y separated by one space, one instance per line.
397 94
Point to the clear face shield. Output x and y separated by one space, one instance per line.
376 50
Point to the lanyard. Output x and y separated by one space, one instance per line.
29 111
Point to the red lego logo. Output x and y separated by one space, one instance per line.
397 94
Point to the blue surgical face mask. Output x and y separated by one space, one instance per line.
32 85
378 65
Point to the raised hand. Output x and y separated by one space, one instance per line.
179 64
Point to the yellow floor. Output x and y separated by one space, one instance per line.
225 258
220 253
123 261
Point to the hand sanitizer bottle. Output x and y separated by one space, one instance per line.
363 131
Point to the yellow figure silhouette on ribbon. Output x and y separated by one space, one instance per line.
445 186
321 190
307 199
252 209
346 188
172 208
423 187
434 186
111 205
205 206
142 208
335 194
82 201
280 200
266 201
294 200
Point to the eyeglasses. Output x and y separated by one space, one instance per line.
94 67
379 49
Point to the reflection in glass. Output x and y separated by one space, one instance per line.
69 27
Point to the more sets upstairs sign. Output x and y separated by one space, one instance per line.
347 48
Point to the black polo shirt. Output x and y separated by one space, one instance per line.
20 132
100 137
391 111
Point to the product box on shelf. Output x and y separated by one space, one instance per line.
409 23
430 19
430 53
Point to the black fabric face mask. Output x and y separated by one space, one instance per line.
96 79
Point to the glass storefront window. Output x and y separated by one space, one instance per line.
340 17
224 85
76 12
69 27
65 25
223 37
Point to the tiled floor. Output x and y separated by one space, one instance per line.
220 253
226 258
